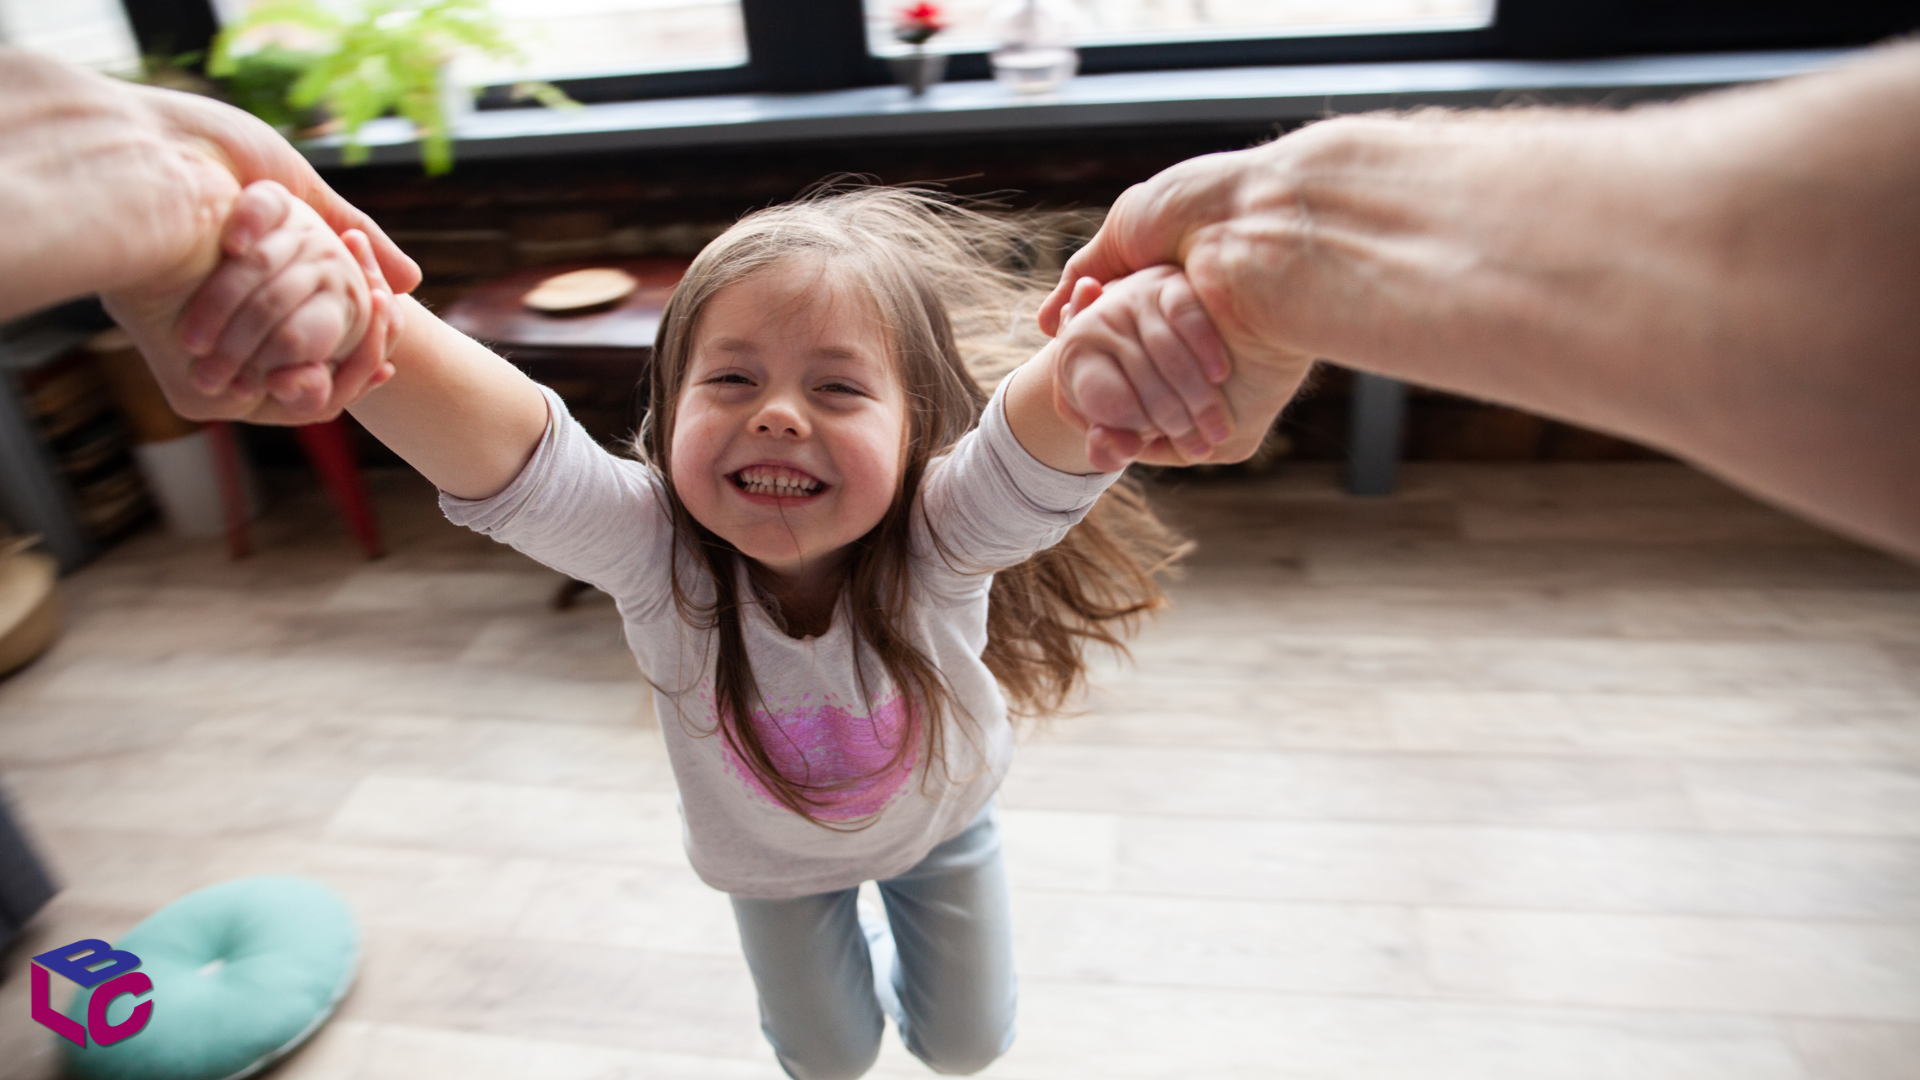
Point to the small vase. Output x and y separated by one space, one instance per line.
918 70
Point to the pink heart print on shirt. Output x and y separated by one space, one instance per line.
826 745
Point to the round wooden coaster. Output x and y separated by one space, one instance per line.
579 290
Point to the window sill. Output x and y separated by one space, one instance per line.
1222 95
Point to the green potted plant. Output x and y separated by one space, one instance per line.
261 81
288 58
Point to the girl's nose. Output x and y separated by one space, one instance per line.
780 419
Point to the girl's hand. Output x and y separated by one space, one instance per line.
1140 369
288 303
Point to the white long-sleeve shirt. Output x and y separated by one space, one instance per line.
602 519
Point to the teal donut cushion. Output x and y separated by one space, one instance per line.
242 972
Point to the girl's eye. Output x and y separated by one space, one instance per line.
732 377
839 388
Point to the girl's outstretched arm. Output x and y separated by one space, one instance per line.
460 414
467 419
1044 429
509 461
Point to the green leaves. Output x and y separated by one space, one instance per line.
390 56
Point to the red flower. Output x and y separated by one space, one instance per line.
915 23
924 14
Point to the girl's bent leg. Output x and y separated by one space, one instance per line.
815 980
954 978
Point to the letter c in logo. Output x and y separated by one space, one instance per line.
105 1034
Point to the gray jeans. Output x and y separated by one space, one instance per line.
941 963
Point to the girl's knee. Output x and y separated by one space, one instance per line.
834 1060
962 1054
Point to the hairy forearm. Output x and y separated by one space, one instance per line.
94 195
1732 279
460 414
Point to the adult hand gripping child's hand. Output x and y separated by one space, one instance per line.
327 311
1140 369
289 302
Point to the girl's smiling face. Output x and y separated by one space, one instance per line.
790 428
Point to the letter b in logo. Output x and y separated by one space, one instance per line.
75 962
91 962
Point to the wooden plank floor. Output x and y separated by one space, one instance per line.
1528 773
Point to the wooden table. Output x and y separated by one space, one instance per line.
596 360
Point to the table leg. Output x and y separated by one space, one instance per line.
233 487
1373 454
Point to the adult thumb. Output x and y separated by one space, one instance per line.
1101 260
253 151
402 273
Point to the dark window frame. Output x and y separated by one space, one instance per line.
806 45
799 45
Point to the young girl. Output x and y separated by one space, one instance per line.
840 564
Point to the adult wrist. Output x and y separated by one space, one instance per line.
1249 253
100 194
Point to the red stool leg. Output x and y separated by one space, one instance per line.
330 449
233 493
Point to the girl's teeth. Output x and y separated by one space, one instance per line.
777 482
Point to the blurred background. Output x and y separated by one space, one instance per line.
1477 745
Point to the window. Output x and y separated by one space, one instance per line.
612 50
1137 22
574 39
570 39
91 33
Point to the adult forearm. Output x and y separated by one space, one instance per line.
93 195
1733 279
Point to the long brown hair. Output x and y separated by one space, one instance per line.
950 285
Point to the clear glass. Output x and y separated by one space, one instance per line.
570 39
1033 44
1133 22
